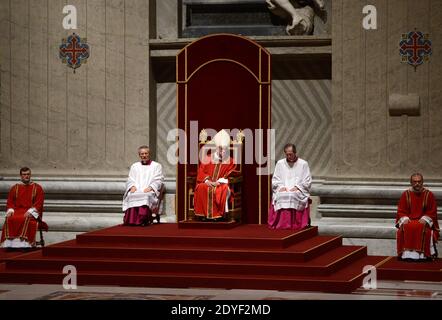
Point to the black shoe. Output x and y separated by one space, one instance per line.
156 217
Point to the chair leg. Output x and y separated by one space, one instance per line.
42 241
155 216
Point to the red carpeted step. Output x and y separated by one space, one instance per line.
301 251
192 224
243 236
394 269
247 256
346 280
355 271
322 265
6 253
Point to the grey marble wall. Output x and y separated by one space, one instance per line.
367 69
301 113
62 123
167 12
166 115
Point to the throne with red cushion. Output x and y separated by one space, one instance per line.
224 82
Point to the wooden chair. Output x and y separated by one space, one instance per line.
156 213
41 226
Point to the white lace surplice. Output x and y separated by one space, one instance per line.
289 177
143 176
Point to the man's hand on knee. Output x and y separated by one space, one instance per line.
9 213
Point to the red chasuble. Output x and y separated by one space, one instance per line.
210 202
21 198
415 236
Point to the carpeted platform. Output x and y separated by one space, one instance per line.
247 235
195 224
165 255
393 269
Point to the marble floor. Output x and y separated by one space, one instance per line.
385 290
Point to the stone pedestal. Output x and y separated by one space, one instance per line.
245 17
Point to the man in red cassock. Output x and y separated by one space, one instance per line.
212 189
416 220
24 208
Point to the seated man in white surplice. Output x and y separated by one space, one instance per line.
291 184
143 190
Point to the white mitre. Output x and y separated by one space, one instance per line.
222 139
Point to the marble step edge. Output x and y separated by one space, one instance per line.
320 187
378 207
266 41
83 222
78 206
95 206
70 185
354 229
367 190
360 211
78 224
79 202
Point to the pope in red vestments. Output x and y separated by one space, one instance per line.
23 208
416 220
212 189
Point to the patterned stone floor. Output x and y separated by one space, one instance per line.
385 290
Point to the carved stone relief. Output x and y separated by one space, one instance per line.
299 14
